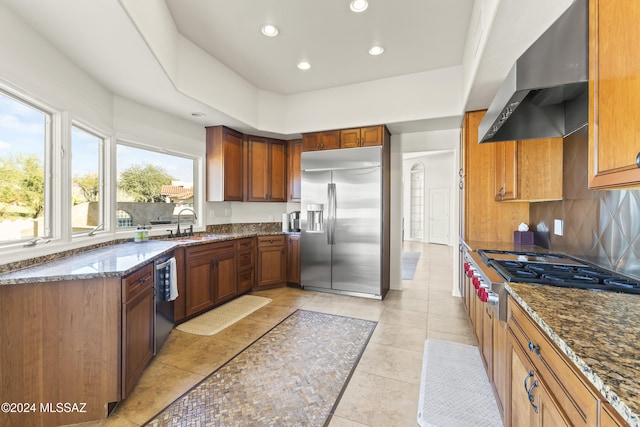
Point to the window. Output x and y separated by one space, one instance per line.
86 200
153 187
417 201
25 141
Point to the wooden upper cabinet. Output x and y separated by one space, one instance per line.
224 174
266 170
529 170
614 89
361 137
506 170
294 170
329 140
480 206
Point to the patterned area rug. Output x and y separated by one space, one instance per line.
292 376
213 321
455 390
409 264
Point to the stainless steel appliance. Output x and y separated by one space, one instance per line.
545 94
342 226
294 221
561 270
163 302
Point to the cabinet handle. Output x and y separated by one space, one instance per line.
488 312
534 348
529 390
638 160
501 192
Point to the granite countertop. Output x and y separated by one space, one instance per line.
598 331
118 259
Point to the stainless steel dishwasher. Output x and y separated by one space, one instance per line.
164 275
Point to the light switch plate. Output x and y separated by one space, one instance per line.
557 227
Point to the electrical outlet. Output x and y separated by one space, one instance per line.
557 227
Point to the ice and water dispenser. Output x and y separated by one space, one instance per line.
315 214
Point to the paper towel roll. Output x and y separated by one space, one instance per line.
285 222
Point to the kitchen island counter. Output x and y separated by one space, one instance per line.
598 332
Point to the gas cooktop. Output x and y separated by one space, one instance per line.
556 270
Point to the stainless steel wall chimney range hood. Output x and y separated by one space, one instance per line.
545 94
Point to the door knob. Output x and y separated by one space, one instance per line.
638 160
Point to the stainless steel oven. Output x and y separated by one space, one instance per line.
488 286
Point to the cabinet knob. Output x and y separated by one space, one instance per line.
638 160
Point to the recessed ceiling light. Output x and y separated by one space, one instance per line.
304 65
376 50
269 30
359 5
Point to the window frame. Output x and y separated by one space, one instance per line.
103 179
51 164
198 183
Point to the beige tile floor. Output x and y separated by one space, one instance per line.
384 388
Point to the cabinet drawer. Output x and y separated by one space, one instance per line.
246 243
246 280
222 247
571 392
137 282
246 258
267 241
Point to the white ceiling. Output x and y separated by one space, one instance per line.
418 36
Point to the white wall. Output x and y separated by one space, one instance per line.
437 174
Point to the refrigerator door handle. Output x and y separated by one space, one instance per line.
331 212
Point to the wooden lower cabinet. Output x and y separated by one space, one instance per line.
293 258
211 276
562 396
225 276
246 265
272 261
138 325
531 403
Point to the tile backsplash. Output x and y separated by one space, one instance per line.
602 227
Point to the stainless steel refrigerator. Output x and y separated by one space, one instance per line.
343 231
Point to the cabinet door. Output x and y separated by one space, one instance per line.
225 277
294 171
522 380
246 280
311 142
486 347
199 283
258 169
478 313
614 77
549 414
506 170
137 337
330 140
224 174
277 175
293 258
350 138
371 136
272 267
500 361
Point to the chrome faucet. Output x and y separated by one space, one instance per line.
190 233
97 228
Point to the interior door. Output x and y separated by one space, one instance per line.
439 216
356 251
